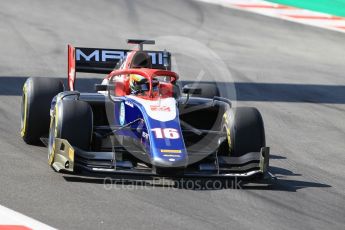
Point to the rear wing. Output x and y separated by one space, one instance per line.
103 61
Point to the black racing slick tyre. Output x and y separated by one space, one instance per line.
36 101
73 121
245 131
207 90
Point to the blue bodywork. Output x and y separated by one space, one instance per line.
162 151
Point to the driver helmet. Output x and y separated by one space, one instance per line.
140 85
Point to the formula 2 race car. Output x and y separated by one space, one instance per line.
140 121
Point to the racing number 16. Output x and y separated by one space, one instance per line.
168 133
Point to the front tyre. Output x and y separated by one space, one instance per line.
72 120
245 131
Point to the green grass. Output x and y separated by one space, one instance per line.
333 7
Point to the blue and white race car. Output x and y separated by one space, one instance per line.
139 121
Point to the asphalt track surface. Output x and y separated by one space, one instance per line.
293 73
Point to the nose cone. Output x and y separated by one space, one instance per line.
170 161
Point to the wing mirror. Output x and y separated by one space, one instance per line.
100 87
188 89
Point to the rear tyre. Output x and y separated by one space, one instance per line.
245 131
36 101
207 90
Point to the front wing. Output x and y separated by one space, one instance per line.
251 165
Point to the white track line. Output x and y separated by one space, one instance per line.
13 218
288 13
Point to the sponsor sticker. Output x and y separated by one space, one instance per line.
171 155
145 135
107 55
171 151
157 108
122 114
130 104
